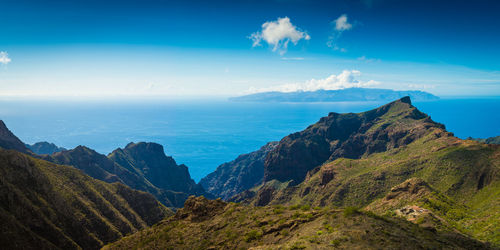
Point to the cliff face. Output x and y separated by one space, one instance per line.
150 160
241 174
9 141
142 166
49 206
346 135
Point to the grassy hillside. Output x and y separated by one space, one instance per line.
204 224
48 206
466 172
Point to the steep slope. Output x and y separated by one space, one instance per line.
462 177
149 159
241 174
9 141
466 172
89 161
204 224
126 166
44 148
347 135
49 206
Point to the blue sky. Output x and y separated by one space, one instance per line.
224 48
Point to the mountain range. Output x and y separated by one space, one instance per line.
340 95
390 177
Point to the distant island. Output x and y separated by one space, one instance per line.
341 95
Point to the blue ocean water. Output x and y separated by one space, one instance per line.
206 133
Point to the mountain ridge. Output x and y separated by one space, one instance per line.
341 95
49 206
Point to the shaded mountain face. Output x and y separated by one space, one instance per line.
9 141
346 135
49 206
89 161
456 180
341 95
149 159
134 166
44 148
241 174
205 224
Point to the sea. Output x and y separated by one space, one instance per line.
206 133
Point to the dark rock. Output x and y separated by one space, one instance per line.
9 141
200 208
241 174
346 135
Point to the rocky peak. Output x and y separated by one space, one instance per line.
200 208
349 136
149 160
9 141
44 148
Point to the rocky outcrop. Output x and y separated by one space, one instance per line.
241 174
9 141
150 161
346 135
408 192
44 148
142 166
200 208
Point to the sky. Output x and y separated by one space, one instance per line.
177 49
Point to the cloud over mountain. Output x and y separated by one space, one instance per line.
346 79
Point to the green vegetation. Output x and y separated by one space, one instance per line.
43 205
286 231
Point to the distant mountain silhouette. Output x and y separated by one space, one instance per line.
341 95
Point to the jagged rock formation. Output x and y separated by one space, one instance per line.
200 208
457 180
142 166
236 176
205 224
44 148
347 135
150 160
49 206
9 141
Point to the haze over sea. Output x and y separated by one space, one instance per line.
206 133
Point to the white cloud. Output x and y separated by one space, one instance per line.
346 79
278 34
341 23
4 57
